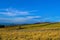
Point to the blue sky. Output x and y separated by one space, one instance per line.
29 11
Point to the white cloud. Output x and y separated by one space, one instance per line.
11 15
12 12
32 17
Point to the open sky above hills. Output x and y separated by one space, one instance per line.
29 11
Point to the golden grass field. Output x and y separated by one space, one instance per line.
31 32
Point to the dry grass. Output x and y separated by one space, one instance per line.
31 35
48 32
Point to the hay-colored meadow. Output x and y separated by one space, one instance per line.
31 32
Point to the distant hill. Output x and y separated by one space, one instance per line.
32 26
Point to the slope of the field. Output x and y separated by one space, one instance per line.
44 31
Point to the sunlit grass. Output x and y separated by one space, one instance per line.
31 32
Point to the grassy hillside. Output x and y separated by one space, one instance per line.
43 31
